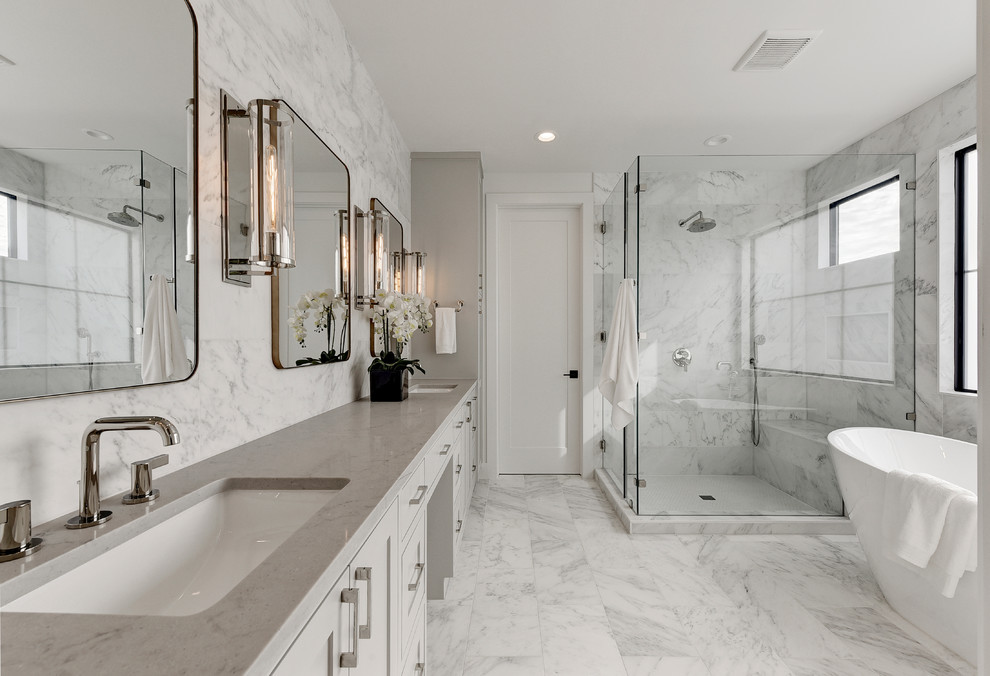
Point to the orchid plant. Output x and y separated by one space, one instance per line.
329 310
396 318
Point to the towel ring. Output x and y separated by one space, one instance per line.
460 304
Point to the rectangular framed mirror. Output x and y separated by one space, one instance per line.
311 301
98 184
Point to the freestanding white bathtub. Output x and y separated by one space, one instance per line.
862 457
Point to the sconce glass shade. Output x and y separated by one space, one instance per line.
397 260
420 271
271 233
381 262
345 254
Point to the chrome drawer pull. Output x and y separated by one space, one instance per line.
420 567
422 494
460 424
458 469
474 468
421 668
364 575
460 523
446 449
350 660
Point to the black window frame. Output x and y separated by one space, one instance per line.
960 272
833 216
11 200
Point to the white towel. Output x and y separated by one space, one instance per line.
620 365
446 328
163 356
914 512
956 552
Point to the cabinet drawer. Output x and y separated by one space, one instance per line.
438 456
415 664
460 468
412 580
412 497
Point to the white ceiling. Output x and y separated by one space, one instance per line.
616 79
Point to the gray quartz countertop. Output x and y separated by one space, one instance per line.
372 444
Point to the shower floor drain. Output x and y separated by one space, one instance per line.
707 497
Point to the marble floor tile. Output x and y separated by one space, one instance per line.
604 546
829 668
642 623
503 666
881 644
505 621
747 665
447 627
747 635
563 575
677 574
461 586
665 666
577 642
506 544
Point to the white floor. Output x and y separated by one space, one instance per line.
734 495
549 583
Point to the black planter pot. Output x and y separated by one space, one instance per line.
389 385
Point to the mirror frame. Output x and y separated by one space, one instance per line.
378 204
192 174
276 304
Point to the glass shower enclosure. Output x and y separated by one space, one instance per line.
775 304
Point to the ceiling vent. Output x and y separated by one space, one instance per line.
775 49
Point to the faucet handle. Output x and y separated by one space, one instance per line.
15 535
141 490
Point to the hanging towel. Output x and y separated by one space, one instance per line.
446 328
956 552
914 512
163 355
620 365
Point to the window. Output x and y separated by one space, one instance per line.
966 253
866 223
8 225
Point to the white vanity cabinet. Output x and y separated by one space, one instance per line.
352 631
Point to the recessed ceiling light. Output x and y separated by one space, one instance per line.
717 140
546 136
96 133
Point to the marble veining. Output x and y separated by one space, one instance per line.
675 605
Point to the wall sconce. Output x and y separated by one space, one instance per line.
398 264
268 139
420 270
344 257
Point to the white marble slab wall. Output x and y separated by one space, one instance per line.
296 50
691 287
922 132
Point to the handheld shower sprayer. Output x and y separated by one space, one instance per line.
755 432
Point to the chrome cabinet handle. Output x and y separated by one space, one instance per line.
421 668
460 424
474 468
460 523
469 412
420 567
458 469
364 575
422 494
446 449
350 660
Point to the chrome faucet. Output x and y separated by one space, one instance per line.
90 513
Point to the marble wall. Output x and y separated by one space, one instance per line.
307 60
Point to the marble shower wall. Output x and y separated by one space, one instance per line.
691 288
940 122
236 394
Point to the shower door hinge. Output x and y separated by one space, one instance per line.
640 187
640 483
601 445
911 416
604 227
142 182
911 185
602 337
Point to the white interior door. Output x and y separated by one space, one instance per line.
539 256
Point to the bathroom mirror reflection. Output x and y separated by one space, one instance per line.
97 196
310 302
390 252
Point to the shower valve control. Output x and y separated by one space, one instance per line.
682 357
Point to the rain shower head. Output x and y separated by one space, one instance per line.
759 339
697 222
124 218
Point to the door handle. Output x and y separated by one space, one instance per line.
573 373
364 574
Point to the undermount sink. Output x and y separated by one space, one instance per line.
431 389
186 563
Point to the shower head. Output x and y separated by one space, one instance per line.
124 218
697 222
759 339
